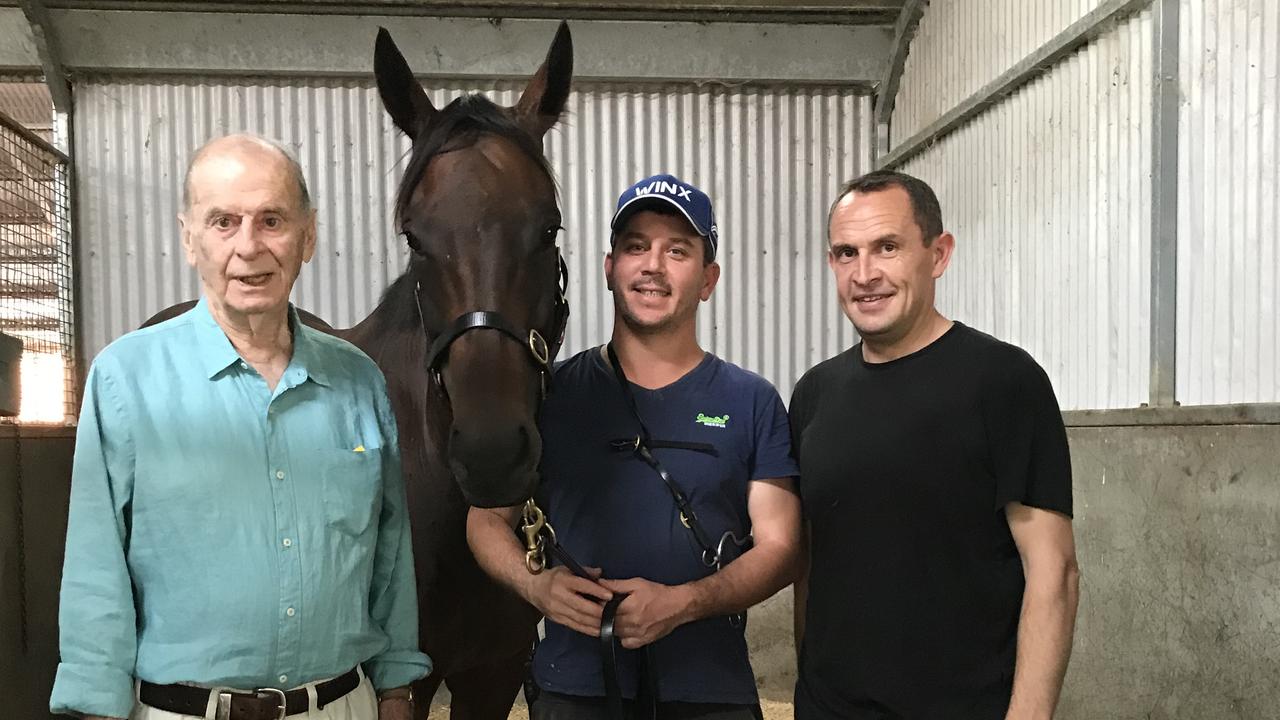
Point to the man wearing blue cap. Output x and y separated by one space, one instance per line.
659 459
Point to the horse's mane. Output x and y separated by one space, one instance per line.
459 125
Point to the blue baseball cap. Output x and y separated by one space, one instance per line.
689 200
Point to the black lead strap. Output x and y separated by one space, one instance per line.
642 446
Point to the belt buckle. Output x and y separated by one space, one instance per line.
276 692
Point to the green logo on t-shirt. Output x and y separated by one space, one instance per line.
712 421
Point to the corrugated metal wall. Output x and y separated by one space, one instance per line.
1075 145
770 157
1048 194
961 45
132 144
1229 203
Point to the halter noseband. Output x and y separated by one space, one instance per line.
539 350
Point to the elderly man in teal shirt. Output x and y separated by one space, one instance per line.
238 545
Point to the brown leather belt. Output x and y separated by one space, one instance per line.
262 704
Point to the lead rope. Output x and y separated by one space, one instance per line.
642 445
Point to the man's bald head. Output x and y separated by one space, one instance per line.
247 143
247 227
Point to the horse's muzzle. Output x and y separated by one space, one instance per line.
514 491
496 467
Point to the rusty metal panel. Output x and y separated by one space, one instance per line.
28 103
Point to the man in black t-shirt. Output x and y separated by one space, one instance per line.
936 486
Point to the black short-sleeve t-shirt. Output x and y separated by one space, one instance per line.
915 586
612 511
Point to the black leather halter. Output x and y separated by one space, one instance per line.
540 351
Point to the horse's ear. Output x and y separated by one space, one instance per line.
547 93
404 98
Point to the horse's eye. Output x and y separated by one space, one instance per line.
550 234
410 240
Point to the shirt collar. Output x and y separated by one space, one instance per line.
308 355
217 353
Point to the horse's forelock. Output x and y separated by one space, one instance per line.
459 125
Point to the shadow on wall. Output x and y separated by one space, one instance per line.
35 481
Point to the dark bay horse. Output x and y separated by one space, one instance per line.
464 338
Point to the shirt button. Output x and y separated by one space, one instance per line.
279 474
244 365
284 679
287 542
289 612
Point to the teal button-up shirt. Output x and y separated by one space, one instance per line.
226 535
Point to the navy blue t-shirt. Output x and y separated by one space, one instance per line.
612 511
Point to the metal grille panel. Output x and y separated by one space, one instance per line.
35 270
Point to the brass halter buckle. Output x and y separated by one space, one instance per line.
538 346
542 354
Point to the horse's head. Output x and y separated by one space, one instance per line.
478 208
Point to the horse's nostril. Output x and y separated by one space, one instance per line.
492 446
495 465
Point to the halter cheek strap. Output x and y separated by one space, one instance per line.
486 320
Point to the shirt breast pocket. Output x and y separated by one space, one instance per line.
352 489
